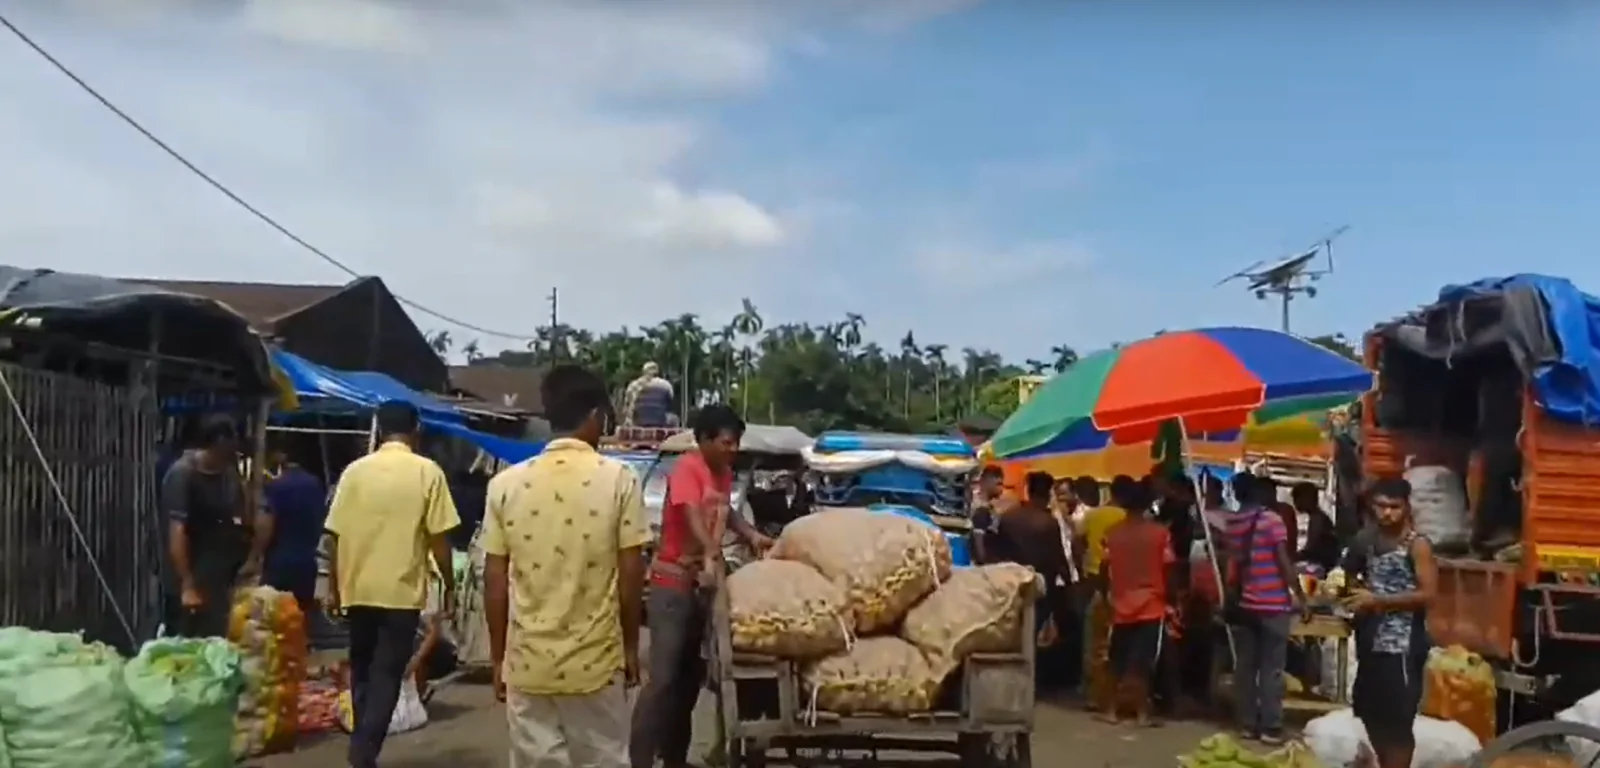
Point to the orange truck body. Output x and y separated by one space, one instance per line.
1477 604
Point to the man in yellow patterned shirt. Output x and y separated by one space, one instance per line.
564 534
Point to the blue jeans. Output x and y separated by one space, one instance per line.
1258 676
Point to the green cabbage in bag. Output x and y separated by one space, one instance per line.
63 704
184 694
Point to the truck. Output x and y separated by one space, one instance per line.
1499 381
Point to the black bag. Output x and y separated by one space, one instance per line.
1233 611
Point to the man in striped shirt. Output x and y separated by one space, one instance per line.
1262 577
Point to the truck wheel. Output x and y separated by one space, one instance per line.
1557 737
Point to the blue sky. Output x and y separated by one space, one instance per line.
1003 174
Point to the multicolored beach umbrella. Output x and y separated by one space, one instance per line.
1212 379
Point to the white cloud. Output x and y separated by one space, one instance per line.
348 24
473 157
474 153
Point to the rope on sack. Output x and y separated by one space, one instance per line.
933 558
65 507
810 714
849 636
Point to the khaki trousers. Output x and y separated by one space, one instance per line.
584 731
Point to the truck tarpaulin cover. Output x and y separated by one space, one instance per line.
1551 329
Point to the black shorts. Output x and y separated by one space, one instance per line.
1386 696
1134 648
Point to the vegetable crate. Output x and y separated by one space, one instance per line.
984 718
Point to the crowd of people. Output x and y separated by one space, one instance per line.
1123 618
1132 592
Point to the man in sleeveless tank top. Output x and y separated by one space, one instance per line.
1398 582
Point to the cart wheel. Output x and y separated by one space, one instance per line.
1550 737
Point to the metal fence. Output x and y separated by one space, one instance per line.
99 443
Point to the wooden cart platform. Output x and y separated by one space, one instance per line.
1319 628
983 721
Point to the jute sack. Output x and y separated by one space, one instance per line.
878 674
788 609
977 610
884 563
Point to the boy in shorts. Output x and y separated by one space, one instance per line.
1137 580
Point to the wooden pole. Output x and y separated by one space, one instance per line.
256 481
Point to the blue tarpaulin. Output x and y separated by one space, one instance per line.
322 390
1566 380
325 390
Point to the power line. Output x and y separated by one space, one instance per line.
230 194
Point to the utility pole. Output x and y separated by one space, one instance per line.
557 346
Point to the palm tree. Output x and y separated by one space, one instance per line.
934 354
472 352
908 352
853 323
749 324
441 342
725 336
1035 367
1065 356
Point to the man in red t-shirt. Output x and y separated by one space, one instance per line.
1138 558
693 520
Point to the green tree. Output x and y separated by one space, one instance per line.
1337 342
812 375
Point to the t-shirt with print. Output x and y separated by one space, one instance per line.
692 484
1138 553
563 519
1256 561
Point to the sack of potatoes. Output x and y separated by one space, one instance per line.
788 609
884 563
977 610
878 674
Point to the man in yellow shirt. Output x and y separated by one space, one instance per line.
1090 547
391 508
564 534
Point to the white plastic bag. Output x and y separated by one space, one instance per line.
1337 738
1586 711
409 713
1439 506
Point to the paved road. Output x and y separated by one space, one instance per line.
468 731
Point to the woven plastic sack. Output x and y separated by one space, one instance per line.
884 563
1458 685
878 674
269 631
978 610
184 694
788 609
63 703
1439 506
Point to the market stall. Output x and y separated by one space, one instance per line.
1129 396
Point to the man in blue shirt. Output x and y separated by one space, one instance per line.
298 505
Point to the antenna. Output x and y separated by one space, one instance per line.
1289 277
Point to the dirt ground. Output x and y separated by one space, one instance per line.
468 731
